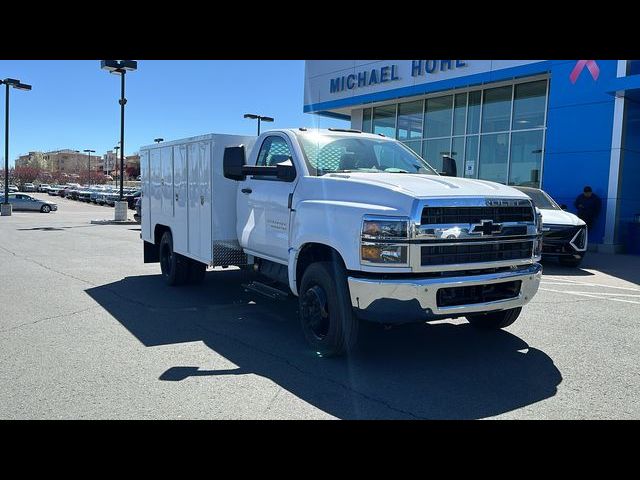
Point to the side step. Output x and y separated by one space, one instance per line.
266 290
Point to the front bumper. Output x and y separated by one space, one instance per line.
416 299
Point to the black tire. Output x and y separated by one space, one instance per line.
45 209
174 267
570 261
495 320
327 319
197 271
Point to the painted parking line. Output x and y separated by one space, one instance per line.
587 284
590 295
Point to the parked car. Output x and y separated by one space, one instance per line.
12 188
138 206
43 187
131 197
55 190
564 234
21 201
28 187
84 194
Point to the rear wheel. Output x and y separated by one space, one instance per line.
174 267
45 209
327 319
495 320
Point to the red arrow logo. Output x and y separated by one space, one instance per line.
591 65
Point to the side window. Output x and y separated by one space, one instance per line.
274 150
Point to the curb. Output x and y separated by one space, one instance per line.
114 222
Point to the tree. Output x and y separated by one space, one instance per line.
27 174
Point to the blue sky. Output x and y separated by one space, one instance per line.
74 104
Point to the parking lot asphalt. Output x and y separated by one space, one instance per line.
89 331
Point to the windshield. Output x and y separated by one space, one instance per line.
340 153
540 199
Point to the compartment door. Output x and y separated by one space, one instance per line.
180 223
205 201
166 155
193 201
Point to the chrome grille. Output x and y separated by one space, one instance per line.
474 252
464 215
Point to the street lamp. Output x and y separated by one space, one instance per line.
5 210
89 152
253 116
120 67
158 140
115 161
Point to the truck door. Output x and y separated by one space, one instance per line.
263 204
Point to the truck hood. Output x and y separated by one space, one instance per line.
420 186
559 217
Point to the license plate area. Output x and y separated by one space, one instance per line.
472 294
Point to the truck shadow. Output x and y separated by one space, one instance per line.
415 371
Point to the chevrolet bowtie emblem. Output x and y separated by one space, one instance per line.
486 227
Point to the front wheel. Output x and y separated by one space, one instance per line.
495 320
327 319
45 209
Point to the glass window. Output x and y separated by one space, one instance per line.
526 158
473 120
415 146
366 120
634 67
384 120
329 153
433 150
496 109
457 153
459 113
528 106
437 117
471 157
410 120
494 150
274 150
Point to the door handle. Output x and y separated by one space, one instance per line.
246 190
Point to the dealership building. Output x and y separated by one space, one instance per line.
553 124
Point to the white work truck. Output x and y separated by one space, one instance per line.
356 225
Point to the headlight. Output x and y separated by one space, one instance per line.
374 249
382 228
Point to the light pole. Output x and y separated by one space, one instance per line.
253 116
89 152
115 161
5 210
120 67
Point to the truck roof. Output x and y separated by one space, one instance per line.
334 131
297 131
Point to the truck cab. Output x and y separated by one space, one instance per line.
360 228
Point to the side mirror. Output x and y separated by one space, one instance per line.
449 167
233 162
564 207
286 171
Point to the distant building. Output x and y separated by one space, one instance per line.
70 161
32 159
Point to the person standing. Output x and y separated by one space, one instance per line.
588 205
